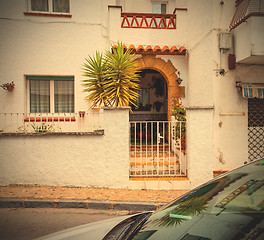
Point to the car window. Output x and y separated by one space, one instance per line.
127 226
228 207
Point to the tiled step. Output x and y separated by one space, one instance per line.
153 173
160 163
149 147
152 155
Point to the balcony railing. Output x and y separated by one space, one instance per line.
245 9
151 21
50 122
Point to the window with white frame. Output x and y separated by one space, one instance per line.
50 94
159 7
50 6
143 100
143 97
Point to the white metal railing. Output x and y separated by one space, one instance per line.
50 122
158 149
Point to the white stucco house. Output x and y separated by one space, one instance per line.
50 136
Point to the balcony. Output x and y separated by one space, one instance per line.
247 26
152 21
148 29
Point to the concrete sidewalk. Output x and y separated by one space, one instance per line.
34 196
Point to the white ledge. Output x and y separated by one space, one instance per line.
232 114
116 108
94 133
199 107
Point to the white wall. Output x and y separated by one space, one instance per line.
249 39
139 6
229 131
87 161
227 142
200 91
58 46
68 160
47 46
231 109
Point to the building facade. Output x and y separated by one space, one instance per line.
215 47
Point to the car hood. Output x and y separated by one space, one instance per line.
91 231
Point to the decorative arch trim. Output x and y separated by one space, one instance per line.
168 71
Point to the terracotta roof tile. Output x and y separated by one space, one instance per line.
166 49
174 49
157 50
140 48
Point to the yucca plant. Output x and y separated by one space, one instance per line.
111 78
94 69
122 77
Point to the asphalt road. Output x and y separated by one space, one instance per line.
25 224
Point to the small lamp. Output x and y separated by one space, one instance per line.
179 80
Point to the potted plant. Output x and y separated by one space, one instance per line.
81 113
180 115
157 105
8 86
159 86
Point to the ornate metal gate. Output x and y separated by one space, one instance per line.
255 128
158 149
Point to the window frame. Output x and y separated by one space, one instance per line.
51 80
144 107
50 11
160 3
142 92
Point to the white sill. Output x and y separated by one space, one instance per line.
48 14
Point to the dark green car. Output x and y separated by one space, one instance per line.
229 207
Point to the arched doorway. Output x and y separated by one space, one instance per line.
152 102
165 71
157 146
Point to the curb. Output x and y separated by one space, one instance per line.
85 204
